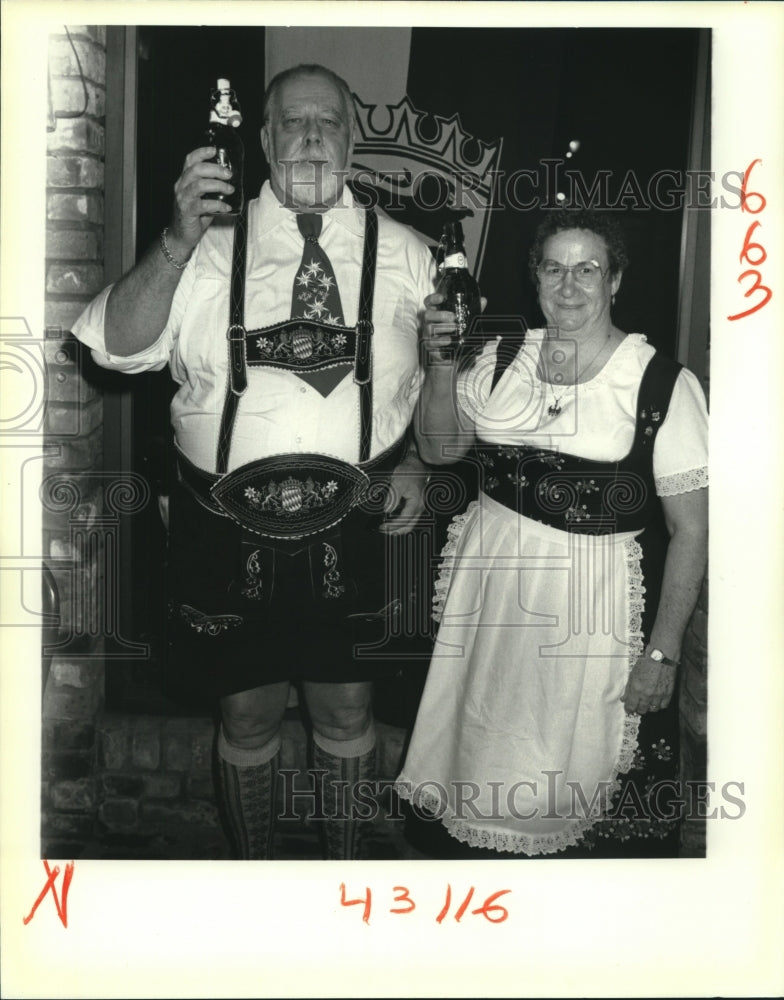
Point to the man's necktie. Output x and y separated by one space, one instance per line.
315 295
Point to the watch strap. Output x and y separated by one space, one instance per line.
661 658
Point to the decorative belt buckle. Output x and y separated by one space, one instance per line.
291 496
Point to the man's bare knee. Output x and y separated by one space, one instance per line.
251 718
339 711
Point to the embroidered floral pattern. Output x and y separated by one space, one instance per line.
512 452
208 624
301 345
550 458
332 585
555 494
579 511
638 807
291 495
253 583
654 418
662 750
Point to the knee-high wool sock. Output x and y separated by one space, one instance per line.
347 762
247 781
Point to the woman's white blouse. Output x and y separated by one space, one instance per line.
596 419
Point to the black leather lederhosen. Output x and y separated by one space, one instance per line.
287 545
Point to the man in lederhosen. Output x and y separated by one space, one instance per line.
295 348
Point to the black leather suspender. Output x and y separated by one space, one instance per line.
238 373
363 374
236 336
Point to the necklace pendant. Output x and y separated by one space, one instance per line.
554 409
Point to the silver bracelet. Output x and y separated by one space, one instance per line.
168 254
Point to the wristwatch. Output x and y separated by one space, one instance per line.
658 657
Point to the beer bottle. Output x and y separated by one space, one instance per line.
455 282
222 133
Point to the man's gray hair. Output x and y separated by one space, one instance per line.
307 69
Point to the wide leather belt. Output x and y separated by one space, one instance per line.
289 496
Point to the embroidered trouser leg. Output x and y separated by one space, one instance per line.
248 789
347 764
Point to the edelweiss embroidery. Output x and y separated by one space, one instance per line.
316 286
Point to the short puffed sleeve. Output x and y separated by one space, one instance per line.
680 457
474 385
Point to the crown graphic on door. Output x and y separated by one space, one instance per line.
400 150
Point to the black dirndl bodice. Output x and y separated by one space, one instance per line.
578 494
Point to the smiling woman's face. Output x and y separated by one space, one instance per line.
308 142
570 306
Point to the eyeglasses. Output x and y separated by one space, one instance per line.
587 273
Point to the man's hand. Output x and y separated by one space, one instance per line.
438 327
193 214
405 498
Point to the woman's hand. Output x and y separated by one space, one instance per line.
193 214
650 686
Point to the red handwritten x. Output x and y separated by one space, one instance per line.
49 886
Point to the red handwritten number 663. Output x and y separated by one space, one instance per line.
752 253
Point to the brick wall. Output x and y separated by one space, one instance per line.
155 791
71 493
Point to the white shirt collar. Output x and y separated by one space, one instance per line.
273 214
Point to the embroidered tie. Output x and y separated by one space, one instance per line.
315 295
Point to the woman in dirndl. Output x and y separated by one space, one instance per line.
548 723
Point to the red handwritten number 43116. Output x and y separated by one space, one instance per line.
490 910
752 253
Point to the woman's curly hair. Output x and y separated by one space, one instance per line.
602 224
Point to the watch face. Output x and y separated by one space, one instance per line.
656 654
